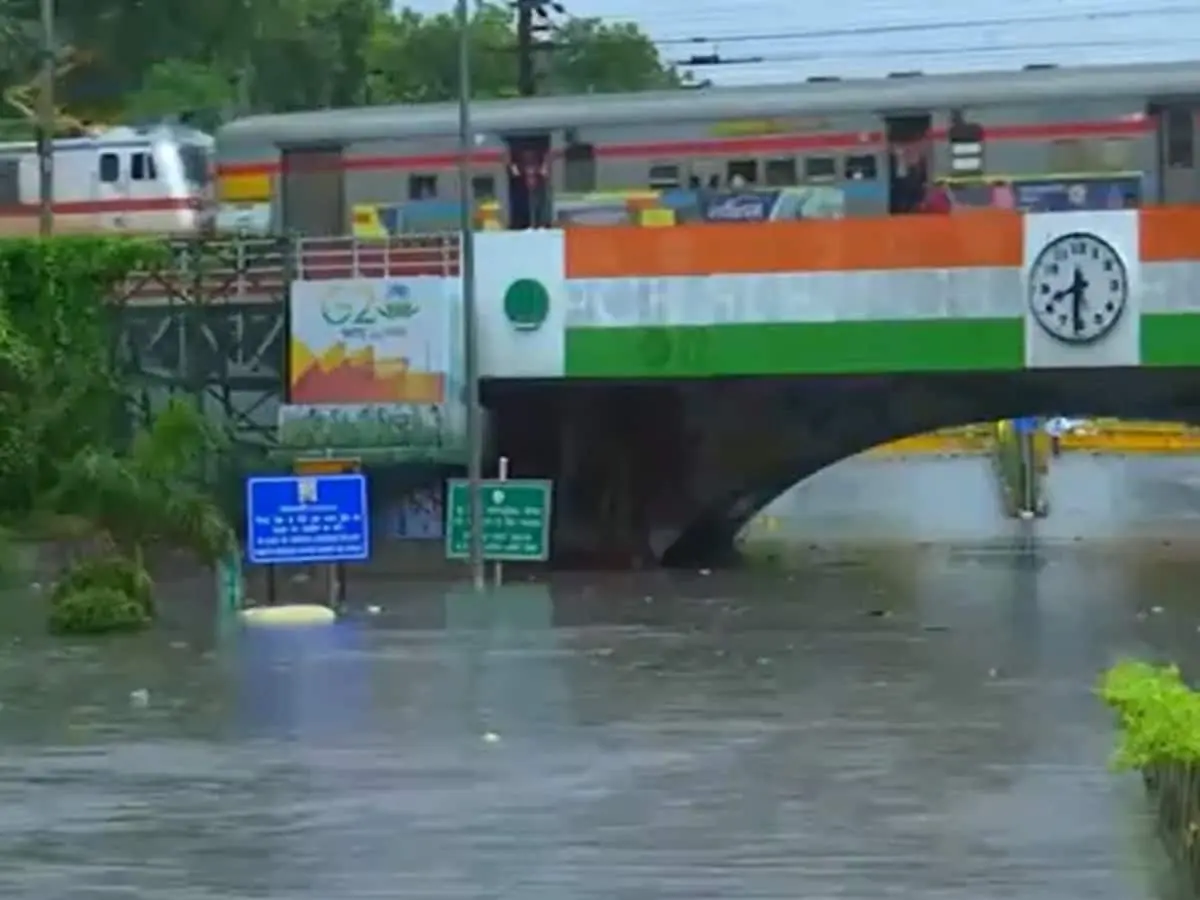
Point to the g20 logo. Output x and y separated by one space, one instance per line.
342 309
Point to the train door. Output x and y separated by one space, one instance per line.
313 192
908 161
530 204
1177 160
144 190
111 190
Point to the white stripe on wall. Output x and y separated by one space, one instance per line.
796 297
1172 287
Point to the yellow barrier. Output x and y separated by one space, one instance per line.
1131 441
1104 436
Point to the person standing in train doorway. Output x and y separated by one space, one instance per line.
531 171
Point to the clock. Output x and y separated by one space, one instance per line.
1078 288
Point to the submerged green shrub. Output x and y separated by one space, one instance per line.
100 595
96 610
1158 715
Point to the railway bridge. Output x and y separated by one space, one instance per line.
674 380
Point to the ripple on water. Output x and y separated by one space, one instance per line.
733 736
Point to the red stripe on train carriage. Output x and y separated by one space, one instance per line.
1125 127
91 207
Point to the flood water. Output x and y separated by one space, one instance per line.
910 720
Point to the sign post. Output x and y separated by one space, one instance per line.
515 525
309 519
335 574
1026 427
498 566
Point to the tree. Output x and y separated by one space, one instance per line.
596 57
63 453
136 59
414 58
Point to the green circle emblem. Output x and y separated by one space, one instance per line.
527 304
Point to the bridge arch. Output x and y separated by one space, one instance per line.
841 417
670 470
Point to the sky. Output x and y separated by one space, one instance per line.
790 40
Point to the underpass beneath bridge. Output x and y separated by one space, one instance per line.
673 381
678 380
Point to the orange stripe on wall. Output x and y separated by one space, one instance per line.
990 238
1167 234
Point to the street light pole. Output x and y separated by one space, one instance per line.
466 263
45 124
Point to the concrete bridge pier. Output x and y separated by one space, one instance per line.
618 454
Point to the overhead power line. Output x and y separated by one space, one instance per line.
921 27
1057 47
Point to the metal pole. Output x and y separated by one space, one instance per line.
466 260
1028 465
45 124
498 567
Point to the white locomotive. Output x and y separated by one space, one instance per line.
155 180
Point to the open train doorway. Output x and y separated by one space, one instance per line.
529 200
908 161
1178 150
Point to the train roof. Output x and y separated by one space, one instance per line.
120 137
825 97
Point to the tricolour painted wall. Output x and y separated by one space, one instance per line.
901 294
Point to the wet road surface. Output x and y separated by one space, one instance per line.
911 721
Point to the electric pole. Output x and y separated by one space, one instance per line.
533 21
45 123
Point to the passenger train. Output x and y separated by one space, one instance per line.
137 180
865 141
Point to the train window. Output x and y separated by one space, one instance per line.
862 167
820 168
579 168
1116 155
780 172
422 187
141 167
10 181
483 187
1180 137
110 168
1066 156
664 176
744 171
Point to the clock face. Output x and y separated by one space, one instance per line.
1078 288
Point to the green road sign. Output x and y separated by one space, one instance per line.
516 520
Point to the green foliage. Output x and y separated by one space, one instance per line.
407 433
1158 714
65 454
96 611
101 595
129 59
58 390
154 491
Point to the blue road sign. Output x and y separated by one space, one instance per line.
303 519
1026 425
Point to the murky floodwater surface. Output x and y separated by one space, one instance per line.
902 722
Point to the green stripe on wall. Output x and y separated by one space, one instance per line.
1170 340
796 348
